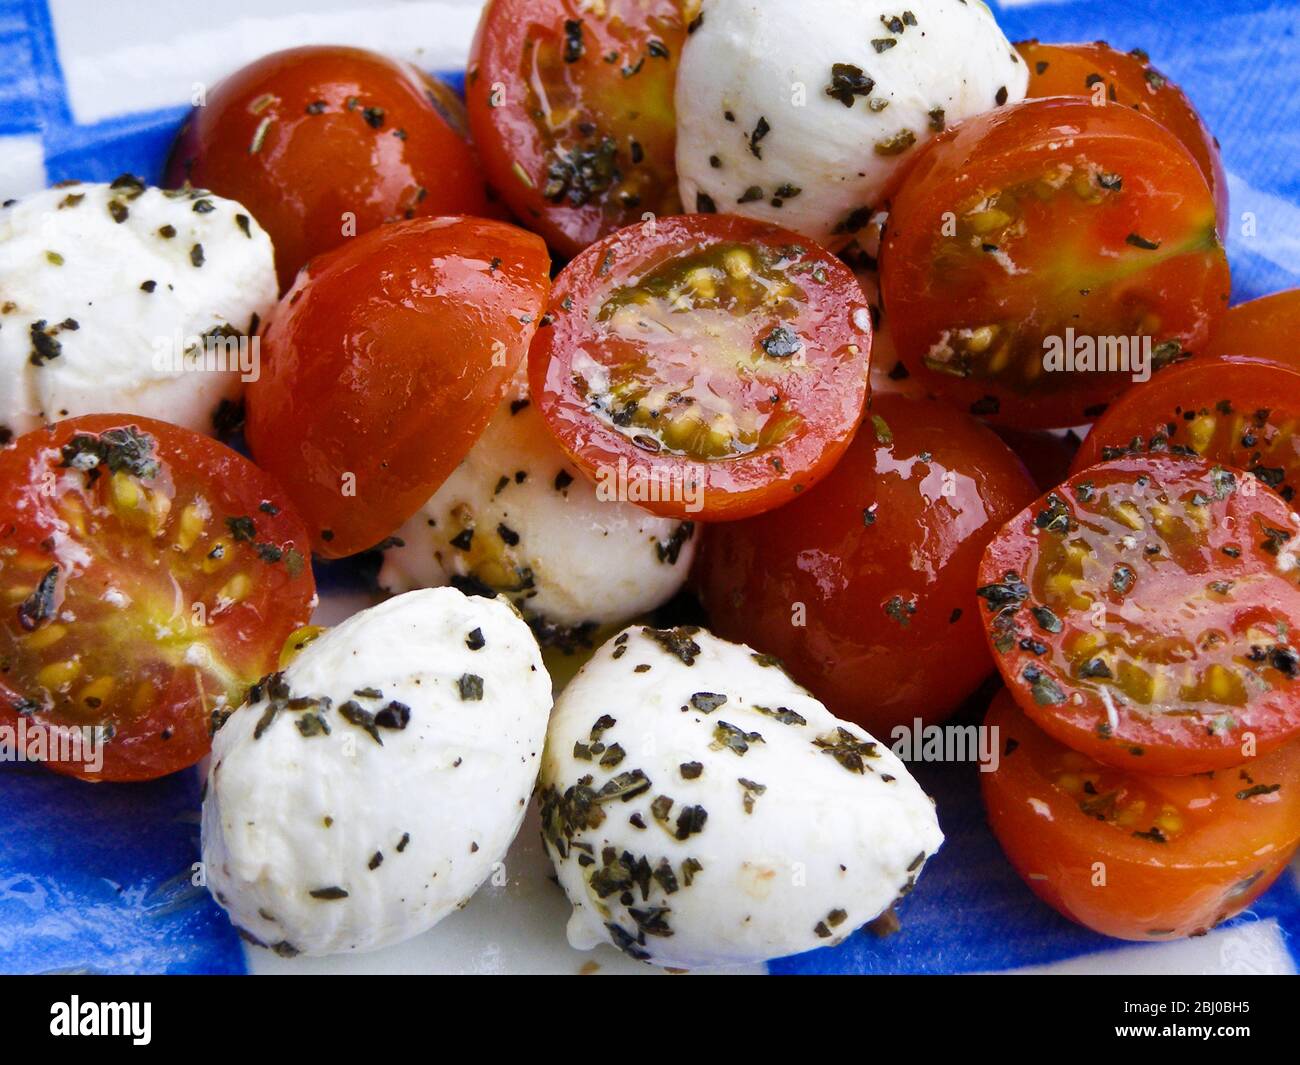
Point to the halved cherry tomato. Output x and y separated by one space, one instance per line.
1128 79
322 143
571 104
1143 613
1033 244
712 365
1266 328
1133 856
865 586
1232 410
148 576
383 364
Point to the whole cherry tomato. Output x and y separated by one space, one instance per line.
1264 328
865 586
322 143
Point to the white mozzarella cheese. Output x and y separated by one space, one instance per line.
799 112
517 516
369 789
702 809
126 299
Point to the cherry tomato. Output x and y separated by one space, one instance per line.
1134 856
865 586
704 366
1128 79
1232 410
322 143
571 105
148 576
384 363
1142 614
1039 255
1266 328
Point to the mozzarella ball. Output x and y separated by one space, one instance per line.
702 809
518 517
130 300
366 791
800 112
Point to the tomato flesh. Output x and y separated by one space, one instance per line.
1232 410
148 576
712 351
1037 256
572 107
1127 79
865 586
1138 857
323 142
1142 613
384 363
691 356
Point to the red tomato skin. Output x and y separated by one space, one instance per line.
385 362
1147 896
921 546
317 176
1158 745
508 140
1130 81
1015 141
1249 384
736 487
1264 328
250 633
